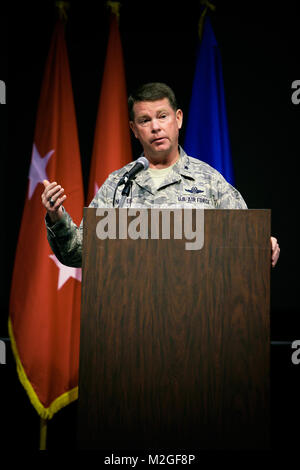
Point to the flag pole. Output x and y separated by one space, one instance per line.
62 7
43 433
206 5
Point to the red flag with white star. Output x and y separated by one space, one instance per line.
45 295
112 144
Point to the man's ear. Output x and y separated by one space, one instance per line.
179 118
132 127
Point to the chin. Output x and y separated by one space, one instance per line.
165 147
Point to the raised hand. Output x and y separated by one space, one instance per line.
52 198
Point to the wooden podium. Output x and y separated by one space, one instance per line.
175 343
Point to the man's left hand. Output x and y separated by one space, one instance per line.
275 251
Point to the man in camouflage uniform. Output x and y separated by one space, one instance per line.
172 180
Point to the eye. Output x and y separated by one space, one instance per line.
143 121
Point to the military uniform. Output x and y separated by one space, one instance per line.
190 184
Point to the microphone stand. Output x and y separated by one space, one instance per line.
125 192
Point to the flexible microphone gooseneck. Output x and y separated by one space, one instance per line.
141 164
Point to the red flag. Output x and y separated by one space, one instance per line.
45 295
112 144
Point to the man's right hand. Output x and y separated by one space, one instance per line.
52 199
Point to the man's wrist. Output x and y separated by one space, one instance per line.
53 217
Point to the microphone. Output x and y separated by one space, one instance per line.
141 164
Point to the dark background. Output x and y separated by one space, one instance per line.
260 49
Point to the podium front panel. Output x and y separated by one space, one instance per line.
174 347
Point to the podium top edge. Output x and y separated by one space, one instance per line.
177 208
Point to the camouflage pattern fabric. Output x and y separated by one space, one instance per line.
191 184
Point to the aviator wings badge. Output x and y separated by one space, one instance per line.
194 190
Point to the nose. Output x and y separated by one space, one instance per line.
155 126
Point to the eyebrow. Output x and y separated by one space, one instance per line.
141 116
157 112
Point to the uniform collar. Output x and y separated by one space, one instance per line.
181 168
183 165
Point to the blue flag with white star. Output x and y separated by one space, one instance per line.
206 135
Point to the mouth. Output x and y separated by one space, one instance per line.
158 139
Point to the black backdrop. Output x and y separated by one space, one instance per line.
260 51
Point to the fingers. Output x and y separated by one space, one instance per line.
275 251
55 196
52 196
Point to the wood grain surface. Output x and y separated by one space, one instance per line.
174 346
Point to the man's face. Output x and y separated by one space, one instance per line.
156 125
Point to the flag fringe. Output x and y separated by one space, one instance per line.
60 402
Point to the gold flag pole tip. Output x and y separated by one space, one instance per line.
115 8
62 9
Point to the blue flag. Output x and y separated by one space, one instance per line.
206 135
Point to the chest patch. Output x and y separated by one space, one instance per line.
194 190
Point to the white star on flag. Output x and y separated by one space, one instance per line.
65 272
37 171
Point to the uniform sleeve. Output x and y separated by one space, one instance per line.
229 197
65 237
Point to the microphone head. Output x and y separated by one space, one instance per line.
144 162
141 164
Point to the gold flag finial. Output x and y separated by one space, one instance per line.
207 5
62 9
115 8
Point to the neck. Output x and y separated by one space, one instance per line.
162 160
